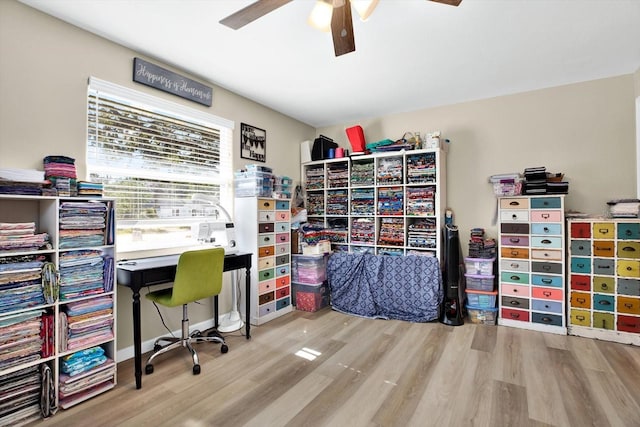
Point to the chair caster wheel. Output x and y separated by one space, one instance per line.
148 369
224 348
196 369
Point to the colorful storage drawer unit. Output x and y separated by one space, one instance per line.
604 274
532 263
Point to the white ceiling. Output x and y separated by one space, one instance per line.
411 54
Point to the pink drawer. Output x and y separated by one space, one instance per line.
514 240
547 293
546 216
282 215
267 285
514 290
283 238
282 249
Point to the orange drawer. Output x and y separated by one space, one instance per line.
514 290
580 299
628 305
265 251
603 248
508 252
282 281
509 313
547 293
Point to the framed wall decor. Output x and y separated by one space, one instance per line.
253 143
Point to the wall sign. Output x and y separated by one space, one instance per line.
157 77
253 143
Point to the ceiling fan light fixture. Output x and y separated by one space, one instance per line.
320 16
364 8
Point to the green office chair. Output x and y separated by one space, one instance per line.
198 276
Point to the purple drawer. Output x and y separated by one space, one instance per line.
514 240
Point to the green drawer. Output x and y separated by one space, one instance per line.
546 203
512 277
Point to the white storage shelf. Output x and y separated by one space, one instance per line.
383 203
43 211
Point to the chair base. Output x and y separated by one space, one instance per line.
186 341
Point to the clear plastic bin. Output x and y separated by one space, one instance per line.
483 316
479 266
482 299
479 283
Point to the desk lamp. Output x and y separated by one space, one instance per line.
231 321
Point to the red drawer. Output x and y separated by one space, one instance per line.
580 283
580 229
509 313
282 292
629 324
547 293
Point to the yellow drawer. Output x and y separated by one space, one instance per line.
580 317
628 249
628 268
605 285
266 204
628 305
604 230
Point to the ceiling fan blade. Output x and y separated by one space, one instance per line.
449 2
342 29
251 13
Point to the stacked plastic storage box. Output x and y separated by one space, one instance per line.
309 287
481 295
254 181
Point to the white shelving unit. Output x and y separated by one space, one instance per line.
389 203
94 286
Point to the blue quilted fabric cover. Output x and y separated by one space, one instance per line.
387 287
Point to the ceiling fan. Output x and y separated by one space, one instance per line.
336 15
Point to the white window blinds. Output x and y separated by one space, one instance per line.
156 158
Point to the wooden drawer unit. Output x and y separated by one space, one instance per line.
265 232
604 275
532 263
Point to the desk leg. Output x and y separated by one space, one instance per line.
215 312
137 339
247 291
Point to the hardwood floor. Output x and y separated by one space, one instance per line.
331 369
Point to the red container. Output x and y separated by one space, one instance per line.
356 138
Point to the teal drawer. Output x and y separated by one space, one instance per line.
546 203
511 277
546 229
603 302
629 231
580 265
282 205
581 247
546 319
282 303
545 280
546 242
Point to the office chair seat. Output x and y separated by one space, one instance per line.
198 276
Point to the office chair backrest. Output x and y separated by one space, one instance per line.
198 275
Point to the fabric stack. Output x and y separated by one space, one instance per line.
20 397
21 282
481 247
21 181
84 374
82 224
81 273
21 236
538 181
85 323
624 208
20 338
61 171
89 189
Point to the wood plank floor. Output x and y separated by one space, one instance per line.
331 369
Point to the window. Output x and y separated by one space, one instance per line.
165 164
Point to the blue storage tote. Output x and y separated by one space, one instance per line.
481 299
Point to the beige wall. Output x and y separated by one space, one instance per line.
584 130
44 66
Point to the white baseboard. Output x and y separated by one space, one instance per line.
129 352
